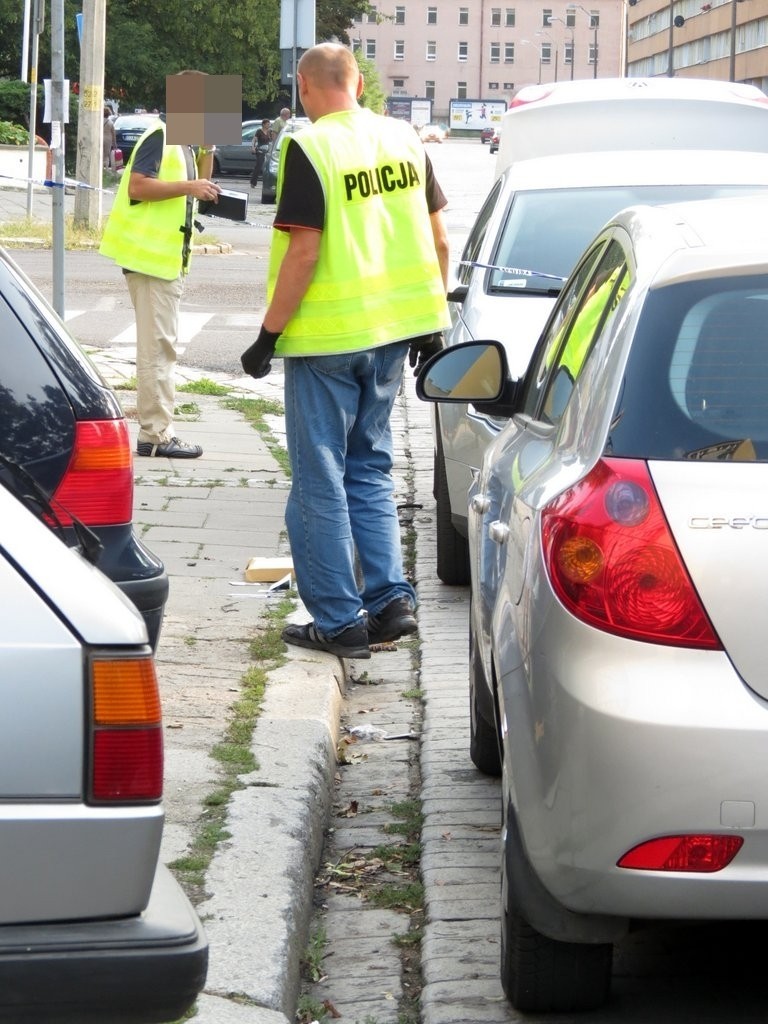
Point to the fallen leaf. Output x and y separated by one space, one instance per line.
330 1008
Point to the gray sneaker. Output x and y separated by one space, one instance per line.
351 642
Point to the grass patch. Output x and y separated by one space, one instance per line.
254 410
204 386
42 232
233 753
315 951
129 384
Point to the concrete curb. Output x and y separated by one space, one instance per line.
262 877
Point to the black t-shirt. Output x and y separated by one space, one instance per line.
302 200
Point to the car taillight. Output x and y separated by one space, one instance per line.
97 487
126 731
613 561
700 853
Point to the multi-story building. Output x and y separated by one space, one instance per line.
721 39
447 50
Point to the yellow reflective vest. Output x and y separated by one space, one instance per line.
377 277
148 237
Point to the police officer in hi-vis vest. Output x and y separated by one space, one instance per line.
149 234
357 278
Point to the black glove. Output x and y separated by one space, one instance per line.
256 359
423 349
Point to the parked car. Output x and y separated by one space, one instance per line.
433 133
494 142
128 130
63 436
486 134
93 926
272 160
237 158
639 141
618 601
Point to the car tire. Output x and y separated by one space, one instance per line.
542 975
452 548
484 749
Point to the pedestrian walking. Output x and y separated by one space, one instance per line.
357 278
261 140
149 235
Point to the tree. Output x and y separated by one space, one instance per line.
373 96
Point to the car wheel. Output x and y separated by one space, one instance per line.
452 548
542 975
483 735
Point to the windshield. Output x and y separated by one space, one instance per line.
546 232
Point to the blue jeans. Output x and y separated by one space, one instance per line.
337 411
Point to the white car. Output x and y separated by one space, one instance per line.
94 927
542 211
619 554
432 133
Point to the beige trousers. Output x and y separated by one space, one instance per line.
156 304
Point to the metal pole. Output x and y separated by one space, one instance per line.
38 11
57 144
90 121
670 56
294 62
594 74
732 63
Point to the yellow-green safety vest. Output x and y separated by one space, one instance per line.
148 237
377 278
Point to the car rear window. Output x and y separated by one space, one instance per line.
545 232
696 381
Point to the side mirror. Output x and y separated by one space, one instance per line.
476 372
458 294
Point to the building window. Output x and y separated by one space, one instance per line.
592 53
495 17
463 15
399 49
370 49
373 16
570 19
509 17
431 15
492 86
431 51
357 45
509 53
429 90
463 51
546 17
509 86
399 15
461 90
546 53
594 19
398 83
569 53
495 53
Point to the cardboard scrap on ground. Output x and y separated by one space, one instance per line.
267 570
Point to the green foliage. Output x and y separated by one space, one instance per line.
13 134
373 96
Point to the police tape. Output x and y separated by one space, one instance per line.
49 183
73 183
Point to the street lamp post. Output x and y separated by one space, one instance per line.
573 49
593 23
551 42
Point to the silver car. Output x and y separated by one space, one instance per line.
534 224
93 926
619 556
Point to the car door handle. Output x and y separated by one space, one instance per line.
480 503
498 532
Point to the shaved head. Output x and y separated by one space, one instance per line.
329 66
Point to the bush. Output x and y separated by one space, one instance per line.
13 134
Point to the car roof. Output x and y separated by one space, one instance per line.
700 238
584 170
632 114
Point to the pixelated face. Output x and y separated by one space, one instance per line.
203 109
